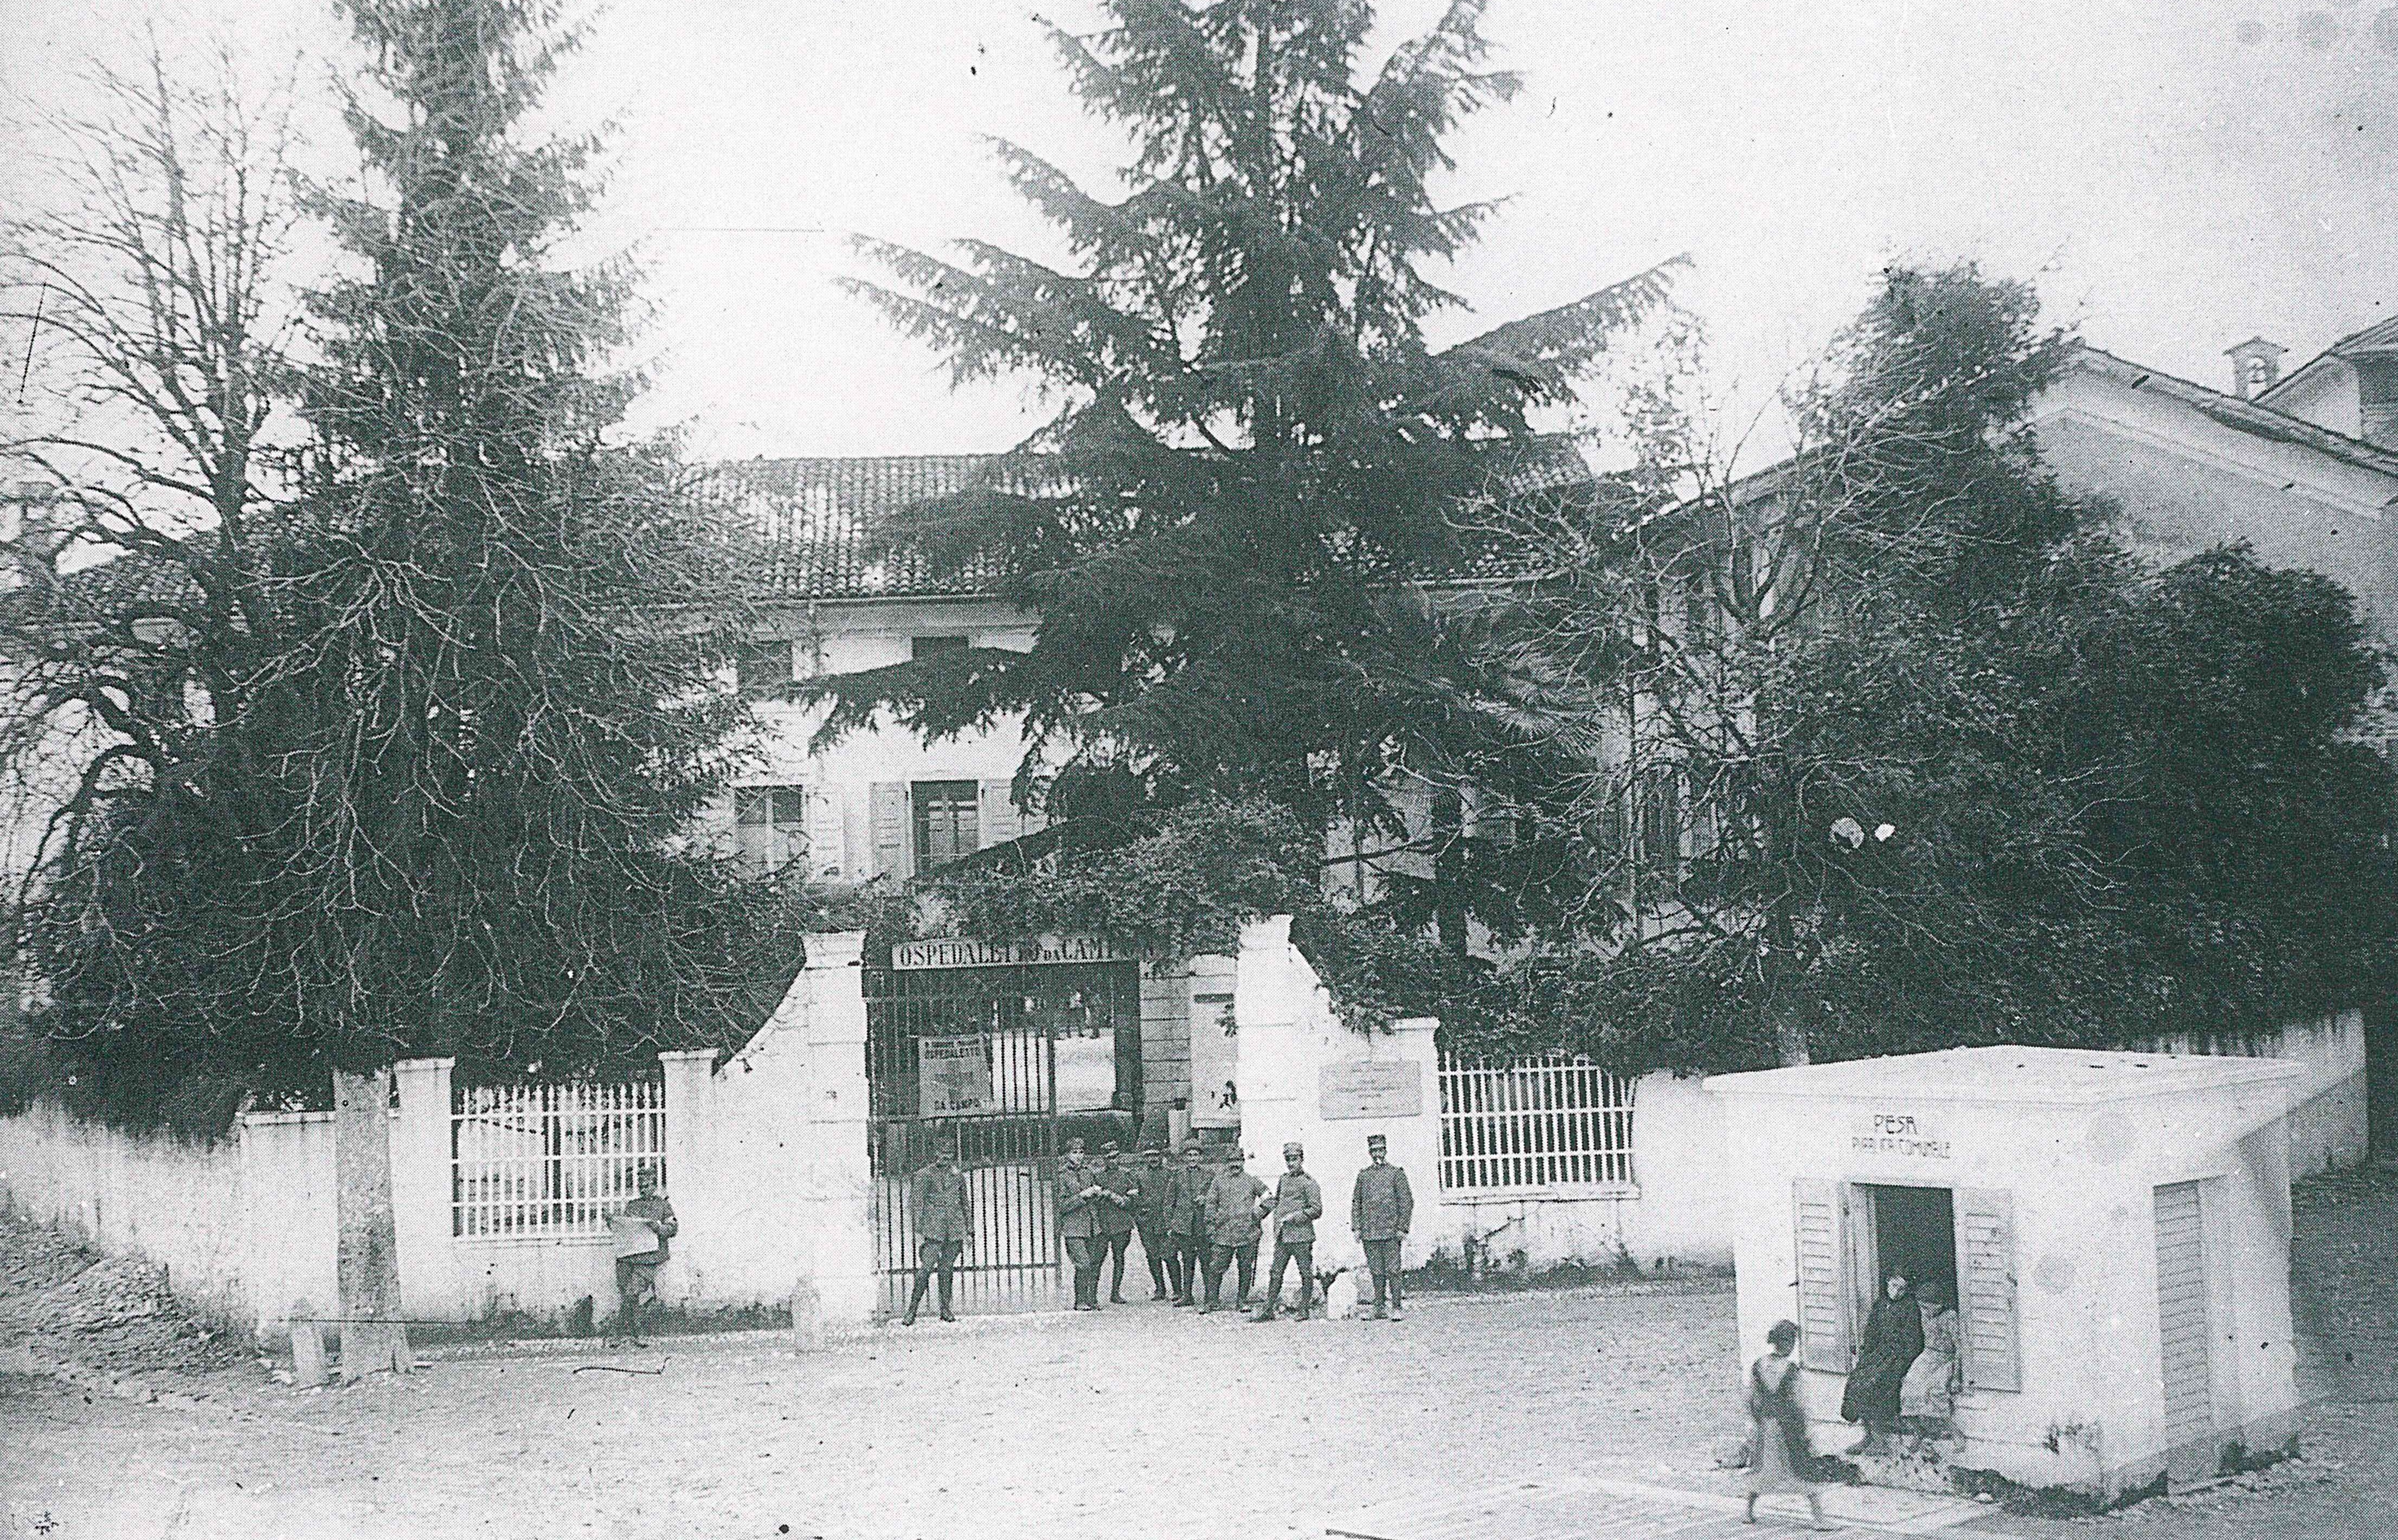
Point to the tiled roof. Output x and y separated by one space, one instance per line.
2380 337
2246 416
814 520
816 517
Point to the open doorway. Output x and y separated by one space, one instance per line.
1907 1230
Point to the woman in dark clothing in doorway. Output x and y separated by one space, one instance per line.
1893 1339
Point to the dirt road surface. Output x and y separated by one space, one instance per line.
1144 1420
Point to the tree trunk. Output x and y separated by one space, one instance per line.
1786 992
1449 877
367 1260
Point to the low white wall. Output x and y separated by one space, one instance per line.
766 1165
2327 1107
1679 1213
1672 1216
1288 1033
244 1226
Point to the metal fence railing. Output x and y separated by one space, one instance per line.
1533 1123
551 1161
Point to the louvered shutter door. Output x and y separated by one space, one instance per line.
998 812
1985 1288
825 831
1823 1311
890 816
2181 1312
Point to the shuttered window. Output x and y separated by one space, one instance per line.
1819 1206
826 858
999 821
948 821
887 816
770 825
1985 1288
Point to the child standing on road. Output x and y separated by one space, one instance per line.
1779 1456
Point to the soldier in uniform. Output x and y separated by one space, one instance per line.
1298 1204
1233 1225
1149 1216
647 1218
1381 1208
1079 1193
1122 1178
944 1227
1186 1222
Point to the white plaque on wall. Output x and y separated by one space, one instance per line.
1371 1088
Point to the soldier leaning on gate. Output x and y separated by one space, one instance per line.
1232 1228
1297 1203
1149 1217
1186 1222
1123 1180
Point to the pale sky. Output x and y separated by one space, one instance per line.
2178 175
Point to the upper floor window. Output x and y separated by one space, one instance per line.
762 667
770 825
925 647
948 822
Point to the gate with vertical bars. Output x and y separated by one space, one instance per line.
977 1056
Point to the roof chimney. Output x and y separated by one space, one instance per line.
2256 364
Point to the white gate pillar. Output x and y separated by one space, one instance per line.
840 1183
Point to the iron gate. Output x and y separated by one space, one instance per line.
1007 1062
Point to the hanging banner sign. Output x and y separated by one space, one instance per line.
970 952
953 1076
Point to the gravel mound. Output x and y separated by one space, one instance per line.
69 1303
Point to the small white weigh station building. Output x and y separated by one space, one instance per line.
2116 1226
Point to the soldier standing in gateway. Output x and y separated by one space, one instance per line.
944 1214
1122 1180
1298 1204
1186 1222
1233 1225
1381 1208
1079 1202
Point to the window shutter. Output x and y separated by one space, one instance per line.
825 831
1986 1288
998 813
1823 1304
890 818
